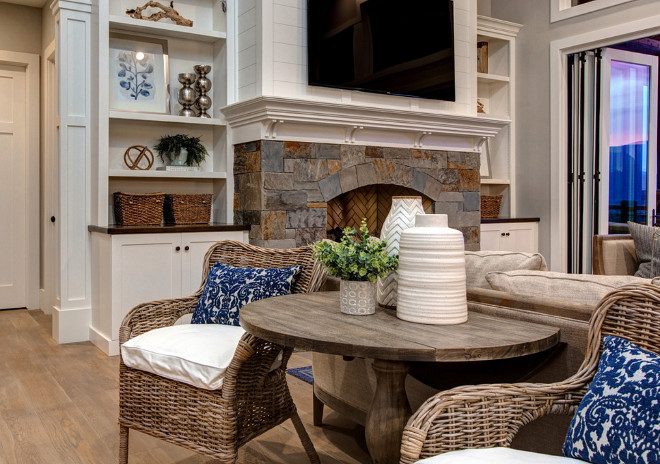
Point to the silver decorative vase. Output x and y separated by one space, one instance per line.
401 217
202 86
187 94
357 298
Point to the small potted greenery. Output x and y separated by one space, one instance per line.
358 260
173 146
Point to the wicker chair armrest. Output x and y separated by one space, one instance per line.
155 314
484 416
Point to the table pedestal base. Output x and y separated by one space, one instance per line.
389 412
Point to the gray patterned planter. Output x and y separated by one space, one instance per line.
357 298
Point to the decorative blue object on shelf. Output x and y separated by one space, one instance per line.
228 289
618 420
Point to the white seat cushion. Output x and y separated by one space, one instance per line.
196 354
497 456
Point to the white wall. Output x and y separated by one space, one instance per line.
281 41
20 28
533 93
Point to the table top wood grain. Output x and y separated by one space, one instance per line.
314 322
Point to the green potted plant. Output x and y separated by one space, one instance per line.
358 260
181 150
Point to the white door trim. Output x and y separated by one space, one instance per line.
30 62
559 49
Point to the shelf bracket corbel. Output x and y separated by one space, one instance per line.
419 137
350 133
271 130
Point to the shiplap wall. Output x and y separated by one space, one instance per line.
247 49
284 53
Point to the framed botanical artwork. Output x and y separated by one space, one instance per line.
139 75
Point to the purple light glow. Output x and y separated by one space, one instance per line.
629 95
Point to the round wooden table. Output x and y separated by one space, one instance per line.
314 322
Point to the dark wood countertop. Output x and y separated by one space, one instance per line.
167 229
503 220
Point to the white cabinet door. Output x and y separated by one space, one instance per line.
523 237
491 237
148 268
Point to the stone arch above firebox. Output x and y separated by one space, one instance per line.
282 188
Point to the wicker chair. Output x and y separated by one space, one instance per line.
486 416
253 398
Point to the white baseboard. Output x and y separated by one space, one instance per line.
103 343
71 325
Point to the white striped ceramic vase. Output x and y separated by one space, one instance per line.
431 287
401 217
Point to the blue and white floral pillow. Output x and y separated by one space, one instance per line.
228 289
618 420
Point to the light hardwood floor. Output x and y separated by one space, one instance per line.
58 404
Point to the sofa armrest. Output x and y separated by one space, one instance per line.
547 306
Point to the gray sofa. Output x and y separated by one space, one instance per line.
347 386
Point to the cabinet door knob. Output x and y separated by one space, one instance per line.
507 234
178 248
52 219
503 234
186 248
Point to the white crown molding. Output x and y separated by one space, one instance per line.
489 25
265 116
84 6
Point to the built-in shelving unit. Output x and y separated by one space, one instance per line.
206 42
496 92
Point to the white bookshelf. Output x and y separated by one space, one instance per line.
496 91
206 42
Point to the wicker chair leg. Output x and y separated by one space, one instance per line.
123 445
318 410
304 438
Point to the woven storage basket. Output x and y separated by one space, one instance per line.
138 208
490 206
188 208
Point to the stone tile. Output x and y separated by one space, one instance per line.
290 234
417 154
250 193
432 189
450 196
440 157
278 180
251 147
471 237
352 155
348 179
422 163
469 181
471 201
305 236
272 156
238 216
273 225
284 200
391 172
469 219
307 185
448 176
445 208
431 172
253 161
373 152
473 161
310 170
326 151
418 181
395 153
307 217
289 165
314 195
450 187
255 232
334 166
240 162
330 187
236 200
297 150
366 174
456 160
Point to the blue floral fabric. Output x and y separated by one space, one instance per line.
228 289
618 420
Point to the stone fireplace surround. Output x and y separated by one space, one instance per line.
281 188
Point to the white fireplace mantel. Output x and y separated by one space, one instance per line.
276 118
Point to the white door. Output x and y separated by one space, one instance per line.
13 188
628 140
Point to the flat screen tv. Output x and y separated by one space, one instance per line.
387 46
